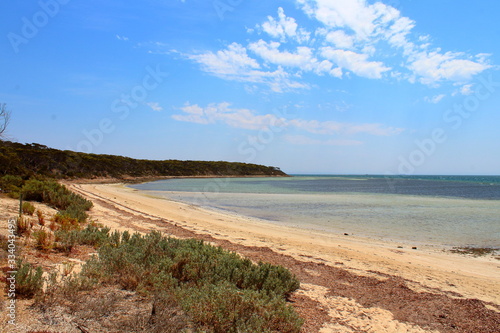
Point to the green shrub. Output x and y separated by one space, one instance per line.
29 280
11 184
221 291
66 223
58 196
93 236
225 309
66 240
44 240
28 208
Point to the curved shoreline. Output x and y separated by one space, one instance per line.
424 271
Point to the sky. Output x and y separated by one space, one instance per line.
310 86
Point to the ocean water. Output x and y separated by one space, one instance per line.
432 210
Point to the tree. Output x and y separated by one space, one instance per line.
4 119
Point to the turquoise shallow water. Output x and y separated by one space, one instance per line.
434 210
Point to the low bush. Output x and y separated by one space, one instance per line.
225 309
11 184
65 222
29 280
22 225
218 290
221 291
44 240
58 196
28 208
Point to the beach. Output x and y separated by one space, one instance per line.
340 274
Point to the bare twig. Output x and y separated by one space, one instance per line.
4 118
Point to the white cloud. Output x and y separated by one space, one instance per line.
249 119
234 63
121 38
155 106
353 15
222 113
340 39
434 99
269 52
359 26
303 59
370 40
284 27
432 68
355 62
466 89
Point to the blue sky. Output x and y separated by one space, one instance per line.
311 86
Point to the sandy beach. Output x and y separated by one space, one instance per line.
349 284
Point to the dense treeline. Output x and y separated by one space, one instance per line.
27 160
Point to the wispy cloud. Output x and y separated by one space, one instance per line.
284 28
355 62
123 38
249 119
234 63
432 68
155 106
434 99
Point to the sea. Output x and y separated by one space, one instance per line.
447 211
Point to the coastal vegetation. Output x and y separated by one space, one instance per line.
49 192
27 160
215 290
192 286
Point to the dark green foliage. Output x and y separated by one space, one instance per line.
29 280
27 160
50 192
66 240
28 208
219 290
10 183
91 235
58 196
225 309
